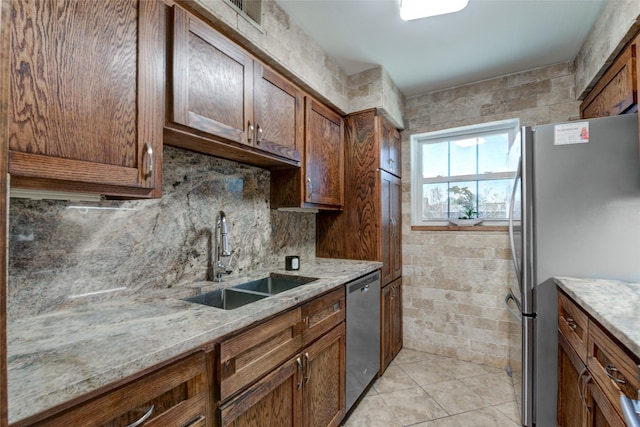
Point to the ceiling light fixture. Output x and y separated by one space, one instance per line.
416 9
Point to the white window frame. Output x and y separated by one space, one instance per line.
512 127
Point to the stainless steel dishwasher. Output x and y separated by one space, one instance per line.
363 334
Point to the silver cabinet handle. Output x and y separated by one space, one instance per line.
571 323
630 411
259 137
149 157
307 374
250 132
610 370
309 186
299 362
142 419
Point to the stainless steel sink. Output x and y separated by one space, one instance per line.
275 283
246 293
227 299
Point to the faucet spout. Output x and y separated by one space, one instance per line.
221 248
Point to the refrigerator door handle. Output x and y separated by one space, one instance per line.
516 313
512 203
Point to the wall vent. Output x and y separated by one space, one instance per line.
252 9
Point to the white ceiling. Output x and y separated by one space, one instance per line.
488 38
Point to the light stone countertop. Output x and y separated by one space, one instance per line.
58 356
615 304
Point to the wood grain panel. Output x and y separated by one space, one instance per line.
178 391
569 314
324 156
607 356
212 81
603 413
256 351
324 388
571 412
5 11
616 90
73 74
322 314
273 401
361 191
278 112
216 84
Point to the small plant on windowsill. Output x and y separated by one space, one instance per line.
465 198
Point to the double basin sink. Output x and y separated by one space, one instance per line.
246 293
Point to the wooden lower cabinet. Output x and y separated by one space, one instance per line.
172 396
593 370
390 323
572 411
307 390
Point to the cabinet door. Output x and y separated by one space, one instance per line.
324 380
572 375
276 400
395 255
396 317
212 81
278 111
602 413
386 339
390 200
86 95
389 147
324 156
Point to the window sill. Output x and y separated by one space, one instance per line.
459 228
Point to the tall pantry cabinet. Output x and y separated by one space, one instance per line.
369 227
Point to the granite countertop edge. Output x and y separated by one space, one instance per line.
614 304
158 320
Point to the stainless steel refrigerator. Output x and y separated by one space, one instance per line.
575 212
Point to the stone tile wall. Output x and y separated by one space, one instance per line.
57 252
616 25
375 88
454 283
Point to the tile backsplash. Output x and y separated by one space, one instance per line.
63 254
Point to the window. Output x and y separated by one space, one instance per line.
464 172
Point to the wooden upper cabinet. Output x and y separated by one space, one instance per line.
226 103
278 109
86 96
389 141
212 81
324 156
616 91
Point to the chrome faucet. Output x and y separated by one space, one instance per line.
221 248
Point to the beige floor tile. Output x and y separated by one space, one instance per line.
455 397
428 372
462 369
511 410
393 379
413 406
486 417
492 387
407 355
372 411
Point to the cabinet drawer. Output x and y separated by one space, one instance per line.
322 314
178 394
247 356
573 322
612 367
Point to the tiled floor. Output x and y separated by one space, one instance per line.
425 390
